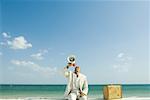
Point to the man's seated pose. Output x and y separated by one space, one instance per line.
77 87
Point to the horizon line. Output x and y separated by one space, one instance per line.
89 84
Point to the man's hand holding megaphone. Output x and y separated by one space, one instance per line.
70 64
71 61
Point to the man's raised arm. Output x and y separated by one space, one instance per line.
66 71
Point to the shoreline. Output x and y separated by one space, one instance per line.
65 84
53 98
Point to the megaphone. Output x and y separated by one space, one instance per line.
71 60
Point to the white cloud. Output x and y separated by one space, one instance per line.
120 55
39 55
1 53
21 63
3 43
44 71
6 35
123 63
122 67
44 51
19 43
15 43
123 57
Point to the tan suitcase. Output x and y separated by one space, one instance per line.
112 92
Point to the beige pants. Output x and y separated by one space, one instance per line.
73 96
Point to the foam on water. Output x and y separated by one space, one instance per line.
53 98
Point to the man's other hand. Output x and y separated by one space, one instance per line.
82 94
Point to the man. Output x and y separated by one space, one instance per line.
77 87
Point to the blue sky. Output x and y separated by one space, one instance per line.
109 39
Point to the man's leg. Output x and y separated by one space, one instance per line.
72 96
83 98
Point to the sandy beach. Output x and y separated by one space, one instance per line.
48 98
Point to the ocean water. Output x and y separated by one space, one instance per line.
57 91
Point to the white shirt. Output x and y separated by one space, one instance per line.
79 82
75 82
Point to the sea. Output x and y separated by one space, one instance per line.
15 91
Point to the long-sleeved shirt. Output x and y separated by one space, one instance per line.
75 83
